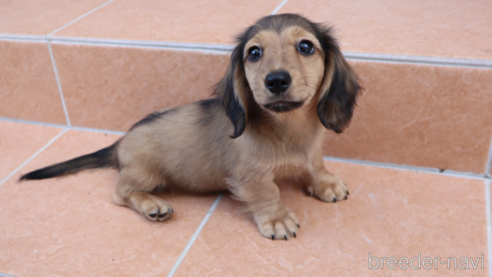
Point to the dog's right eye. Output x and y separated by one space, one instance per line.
305 47
254 53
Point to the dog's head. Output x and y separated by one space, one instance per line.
282 63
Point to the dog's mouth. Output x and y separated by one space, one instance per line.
283 106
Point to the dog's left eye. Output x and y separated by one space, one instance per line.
305 47
254 53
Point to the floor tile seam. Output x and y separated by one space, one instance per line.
195 235
76 128
226 48
488 208
22 37
488 168
430 170
33 156
58 83
279 7
419 60
6 275
176 46
79 18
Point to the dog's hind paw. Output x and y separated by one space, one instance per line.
154 208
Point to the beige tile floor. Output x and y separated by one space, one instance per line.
70 227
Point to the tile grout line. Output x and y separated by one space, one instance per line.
488 168
195 235
144 44
420 60
58 83
33 156
429 170
6 275
225 48
279 7
16 37
489 226
78 18
61 126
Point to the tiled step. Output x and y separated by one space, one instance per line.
69 226
426 68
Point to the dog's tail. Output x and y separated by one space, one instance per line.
105 157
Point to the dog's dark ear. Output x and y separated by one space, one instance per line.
231 91
340 87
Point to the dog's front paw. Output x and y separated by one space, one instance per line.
280 224
329 189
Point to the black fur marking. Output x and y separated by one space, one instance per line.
335 108
283 106
151 118
102 158
226 91
207 106
237 116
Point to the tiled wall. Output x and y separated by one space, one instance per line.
426 68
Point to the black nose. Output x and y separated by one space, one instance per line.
278 81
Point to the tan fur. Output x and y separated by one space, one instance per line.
190 147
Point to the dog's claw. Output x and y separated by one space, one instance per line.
285 237
298 226
273 237
334 200
153 214
170 210
162 215
345 197
348 192
295 235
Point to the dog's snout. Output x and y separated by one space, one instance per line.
278 82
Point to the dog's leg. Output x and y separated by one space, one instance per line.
323 184
132 190
274 220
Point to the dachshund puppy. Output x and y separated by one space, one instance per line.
287 80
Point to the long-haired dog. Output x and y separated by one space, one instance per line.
287 80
